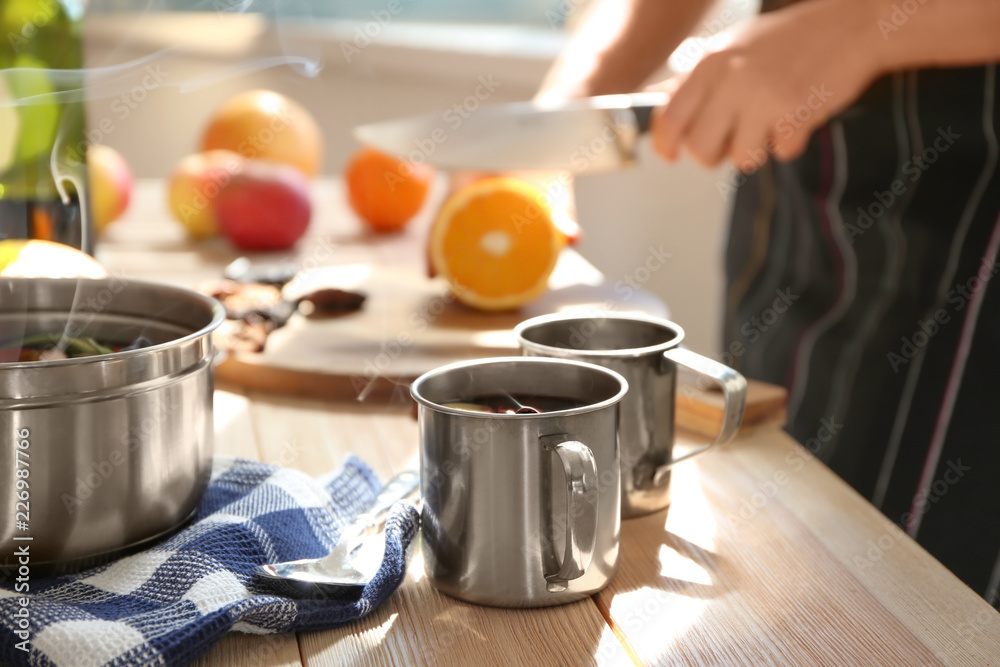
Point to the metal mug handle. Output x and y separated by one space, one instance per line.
734 390
581 513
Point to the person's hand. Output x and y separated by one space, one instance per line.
784 75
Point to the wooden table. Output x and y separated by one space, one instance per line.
764 557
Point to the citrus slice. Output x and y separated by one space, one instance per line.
495 244
45 259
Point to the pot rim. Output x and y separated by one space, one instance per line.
213 305
615 353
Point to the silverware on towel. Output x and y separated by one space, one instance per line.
360 549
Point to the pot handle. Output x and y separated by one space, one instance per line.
734 389
581 508
218 356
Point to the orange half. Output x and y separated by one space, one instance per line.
495 243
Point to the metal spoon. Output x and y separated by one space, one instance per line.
360 549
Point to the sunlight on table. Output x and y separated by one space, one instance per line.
231 413
690 516
415 566
610 652
376 634
657 618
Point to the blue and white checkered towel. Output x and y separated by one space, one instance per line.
173 602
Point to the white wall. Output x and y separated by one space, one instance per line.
675 207
407 69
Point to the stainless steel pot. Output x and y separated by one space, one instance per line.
101 454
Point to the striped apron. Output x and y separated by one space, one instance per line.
862 277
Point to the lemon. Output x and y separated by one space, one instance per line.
44 259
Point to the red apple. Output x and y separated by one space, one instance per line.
194 183
264 207
110 184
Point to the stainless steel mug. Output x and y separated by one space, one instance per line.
646 351
520 510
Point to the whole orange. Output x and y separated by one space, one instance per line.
267 125
384 191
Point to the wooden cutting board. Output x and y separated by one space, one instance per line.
409 324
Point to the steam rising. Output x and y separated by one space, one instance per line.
90 83
103 82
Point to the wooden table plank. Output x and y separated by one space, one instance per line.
314 436
935 605
753 564
234 433
245 650
420 626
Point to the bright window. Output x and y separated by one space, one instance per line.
541 13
